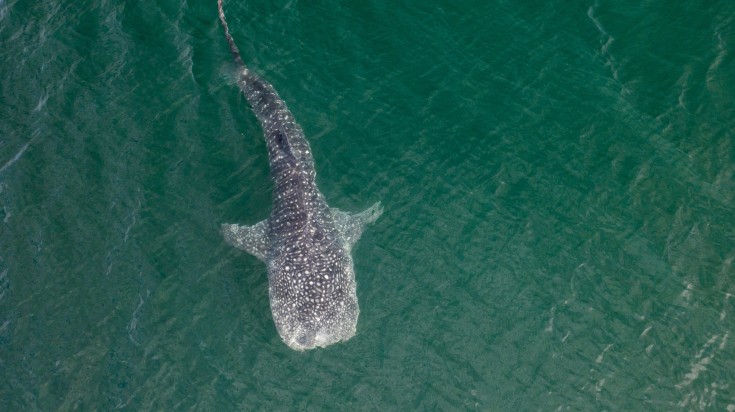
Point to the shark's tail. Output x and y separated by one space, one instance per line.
233 48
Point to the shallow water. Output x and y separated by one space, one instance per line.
558 183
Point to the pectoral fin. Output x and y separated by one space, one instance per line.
252 239
350 226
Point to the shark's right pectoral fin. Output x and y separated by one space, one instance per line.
252 239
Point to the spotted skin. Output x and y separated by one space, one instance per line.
305 244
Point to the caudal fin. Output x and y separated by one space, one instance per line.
233 48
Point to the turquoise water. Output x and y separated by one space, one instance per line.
558 182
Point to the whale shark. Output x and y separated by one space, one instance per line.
305 244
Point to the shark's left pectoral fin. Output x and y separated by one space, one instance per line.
252 239
350 226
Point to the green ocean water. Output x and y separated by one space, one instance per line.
558 181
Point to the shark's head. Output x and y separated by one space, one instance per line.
309 327
318 307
